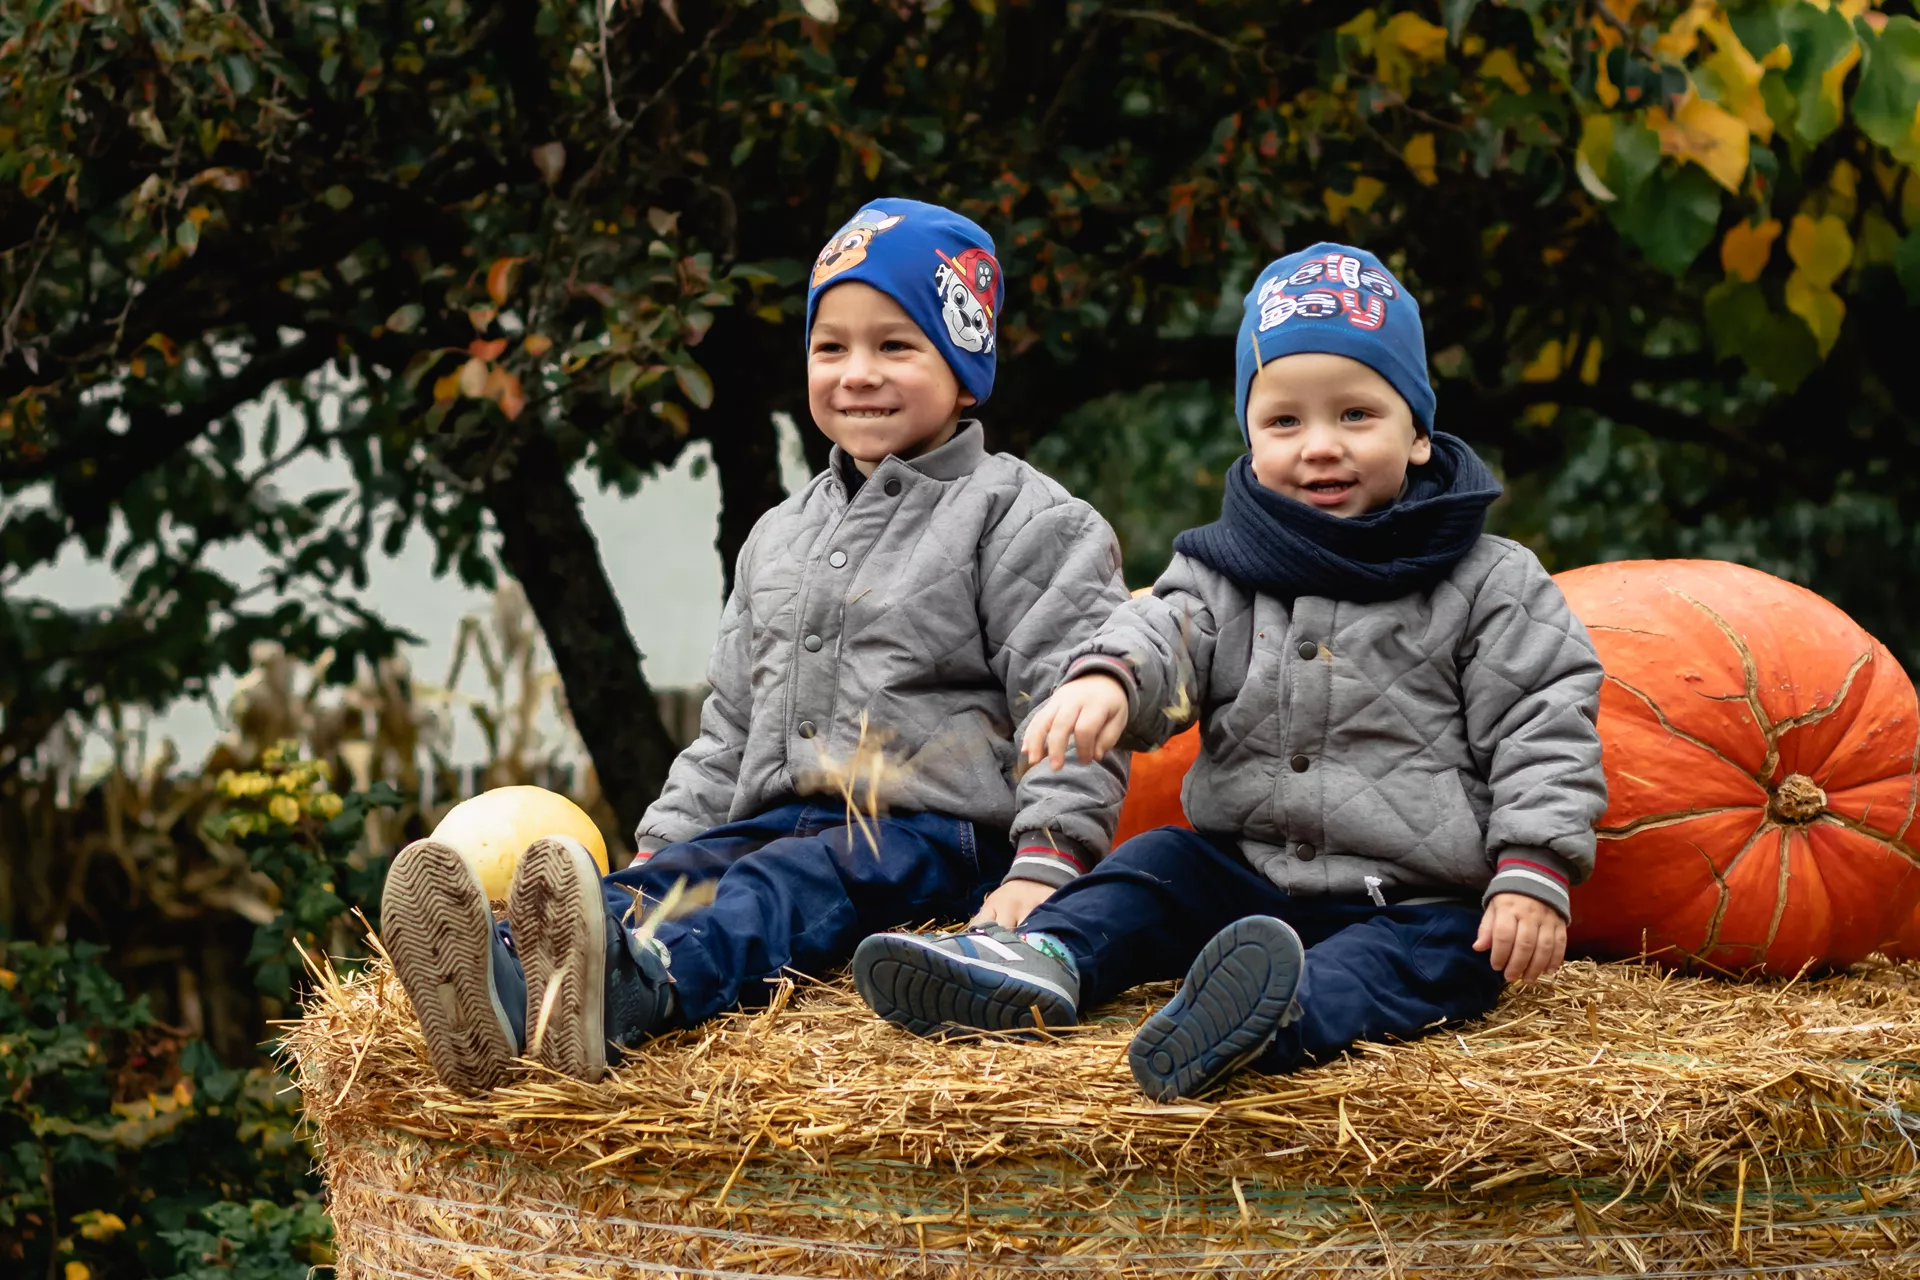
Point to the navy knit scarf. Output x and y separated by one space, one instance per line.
1285 548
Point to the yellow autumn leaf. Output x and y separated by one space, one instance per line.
1745 249
1546 363
1405 43
1734 76
1590 159
1365 191
78 1271
1501 65
473 377
1706 134
1820 248
1590 367
1604 88
1678 41
1834 76
1420 157
1359 29
1819 306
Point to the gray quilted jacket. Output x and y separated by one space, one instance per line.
1443 741
930 611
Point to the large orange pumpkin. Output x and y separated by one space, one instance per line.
1153 788
1761 754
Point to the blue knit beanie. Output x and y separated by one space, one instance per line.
1340 300
937 265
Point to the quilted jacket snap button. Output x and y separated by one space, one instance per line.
805 728
893 488
838 559
812 643
1308 649
1305 852
1300 764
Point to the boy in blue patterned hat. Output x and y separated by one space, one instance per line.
1399 766
890 628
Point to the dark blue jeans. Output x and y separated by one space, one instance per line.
797 889
1373 972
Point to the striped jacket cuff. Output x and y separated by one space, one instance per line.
1052 863
648 846
1536 873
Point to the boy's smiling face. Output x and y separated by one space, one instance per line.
1328 431
876 384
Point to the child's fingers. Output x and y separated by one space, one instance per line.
1485 939
1089 733
1525 936
1503 927
1033 744
1110 732
1057 734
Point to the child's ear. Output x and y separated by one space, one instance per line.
966 398
1422 450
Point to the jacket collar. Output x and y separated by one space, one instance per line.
956 458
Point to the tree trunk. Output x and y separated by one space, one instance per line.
547 545
750 362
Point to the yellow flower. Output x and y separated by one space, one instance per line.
284 809
327 805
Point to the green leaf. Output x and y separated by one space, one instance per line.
694 384
1888 96
187 234
406 319
622 376
1635 159
1818 40
1778 348
1672 217
337 197
418 367
1758 25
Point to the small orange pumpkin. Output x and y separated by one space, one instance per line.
1763 771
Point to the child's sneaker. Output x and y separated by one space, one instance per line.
584 987
986 979
1237 995
464 984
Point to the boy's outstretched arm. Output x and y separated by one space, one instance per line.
1530 682
1047 583
702 781
1157 650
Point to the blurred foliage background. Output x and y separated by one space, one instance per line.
1668 253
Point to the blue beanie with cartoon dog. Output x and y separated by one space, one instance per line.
940 268
1343 301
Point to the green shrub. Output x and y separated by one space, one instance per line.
127 1148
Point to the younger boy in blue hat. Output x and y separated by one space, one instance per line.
890 628
1399 766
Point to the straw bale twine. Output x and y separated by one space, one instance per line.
1618 1120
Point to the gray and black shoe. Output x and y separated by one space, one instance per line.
986 979
463 983
1237 995
585 988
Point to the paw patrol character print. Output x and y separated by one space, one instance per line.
968 286
848 248
1339 285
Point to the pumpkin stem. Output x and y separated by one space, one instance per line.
1799 799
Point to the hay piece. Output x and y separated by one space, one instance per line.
1595 1125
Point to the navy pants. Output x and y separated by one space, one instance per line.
798 889
1372 972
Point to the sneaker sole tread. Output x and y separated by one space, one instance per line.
438 928
559 926
1235 995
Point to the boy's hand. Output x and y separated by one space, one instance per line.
1010 904
1092 710
1528 937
